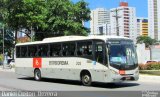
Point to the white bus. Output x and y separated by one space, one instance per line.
88 59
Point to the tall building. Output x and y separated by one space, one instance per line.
154 18
99 16
104 29
142 27
126 21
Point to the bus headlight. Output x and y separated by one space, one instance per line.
137 72
114 72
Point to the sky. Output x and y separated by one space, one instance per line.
140 5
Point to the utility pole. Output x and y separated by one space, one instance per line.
3 39
31 34
2 27
3 43
117 18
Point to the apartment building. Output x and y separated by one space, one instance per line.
126 23
142 26
154 19
99 17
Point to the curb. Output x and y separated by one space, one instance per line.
7 70
150 72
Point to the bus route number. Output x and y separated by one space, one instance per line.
78 63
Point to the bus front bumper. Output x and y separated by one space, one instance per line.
122 78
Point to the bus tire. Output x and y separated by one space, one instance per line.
86 79
37 74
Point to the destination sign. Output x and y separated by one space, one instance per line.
120 42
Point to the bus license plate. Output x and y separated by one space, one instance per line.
128 78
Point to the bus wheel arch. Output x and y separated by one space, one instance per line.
37 74
86 77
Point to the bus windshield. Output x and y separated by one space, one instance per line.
122 54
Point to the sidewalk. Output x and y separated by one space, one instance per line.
6 69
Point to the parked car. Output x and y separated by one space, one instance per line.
152 61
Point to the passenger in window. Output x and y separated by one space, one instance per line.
80 51
85 52
43 54
54 54
38 52
26 54
48 53
31 54
67 53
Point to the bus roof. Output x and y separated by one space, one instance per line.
72 38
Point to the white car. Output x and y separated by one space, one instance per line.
152 61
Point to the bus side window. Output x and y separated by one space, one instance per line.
72 49
84 48
24 51
80 48
55 49
32 51
99 51
68 49
42 50
17 52
64 49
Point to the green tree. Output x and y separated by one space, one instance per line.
8 39
4 11
47 18
81 14
65 17
26 14
8 33
147 40
1 57
1 41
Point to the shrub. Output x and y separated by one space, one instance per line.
142 67
150 66
1 57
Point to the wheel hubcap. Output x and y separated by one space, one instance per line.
86 78
37 75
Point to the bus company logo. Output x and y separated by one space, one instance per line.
37 62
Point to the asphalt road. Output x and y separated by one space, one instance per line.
9 82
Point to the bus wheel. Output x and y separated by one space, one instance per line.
37 74
86 79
